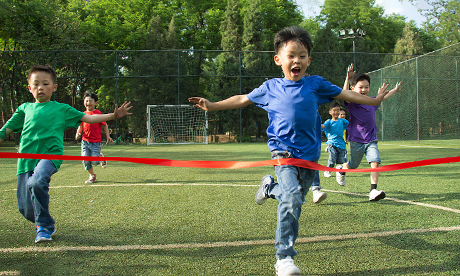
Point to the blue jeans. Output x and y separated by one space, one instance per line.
336 156
90 149
316 184
32 193
357 150
293 184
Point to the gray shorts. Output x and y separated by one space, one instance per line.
357 150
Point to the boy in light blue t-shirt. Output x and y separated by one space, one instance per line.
291 103
336 147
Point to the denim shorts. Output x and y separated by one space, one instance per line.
336 155
90 149
358 150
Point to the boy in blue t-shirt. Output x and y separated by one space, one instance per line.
291 103
336 147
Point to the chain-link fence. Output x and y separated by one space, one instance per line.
170 77
427 107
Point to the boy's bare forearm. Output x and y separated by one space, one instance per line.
118 113
351 96
237 101
99 118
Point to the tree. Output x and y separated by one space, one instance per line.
443 21
408 44
160 86
254 64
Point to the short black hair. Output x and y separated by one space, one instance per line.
360 77
43 68
91 95
292 33
335 104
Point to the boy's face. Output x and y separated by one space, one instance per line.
90 104
335 112
361 87
294 60
343 114
41 86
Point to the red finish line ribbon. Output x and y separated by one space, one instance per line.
231 164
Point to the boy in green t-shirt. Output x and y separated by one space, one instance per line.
42 125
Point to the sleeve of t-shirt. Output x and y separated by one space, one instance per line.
73 117
326 89
16 122
260 96
345 123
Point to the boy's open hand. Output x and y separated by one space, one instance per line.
382 92
397 87
350 72
122 110
200 102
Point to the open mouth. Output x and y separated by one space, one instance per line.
295 71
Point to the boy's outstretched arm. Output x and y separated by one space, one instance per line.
354 97
117 113
237 101
393 91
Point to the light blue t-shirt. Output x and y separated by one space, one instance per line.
334 132
292 113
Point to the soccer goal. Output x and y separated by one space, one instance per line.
176 124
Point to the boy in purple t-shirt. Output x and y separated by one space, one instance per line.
362 129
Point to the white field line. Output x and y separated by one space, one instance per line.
421 146
224 244
402 201
239 185
235 243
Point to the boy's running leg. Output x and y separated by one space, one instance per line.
375 195
103 163
318 196
293 184
38 185
373 158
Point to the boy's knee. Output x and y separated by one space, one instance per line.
38 182
293 200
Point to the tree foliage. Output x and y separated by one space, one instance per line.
111 29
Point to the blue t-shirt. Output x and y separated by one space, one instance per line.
292 113
334 132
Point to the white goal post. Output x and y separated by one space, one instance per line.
176 124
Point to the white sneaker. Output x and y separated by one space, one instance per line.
318 196
376 195
286 267
327 174
260 195
340 177
91 180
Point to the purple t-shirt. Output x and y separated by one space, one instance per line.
362 127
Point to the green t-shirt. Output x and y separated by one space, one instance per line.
42 126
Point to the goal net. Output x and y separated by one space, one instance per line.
176 124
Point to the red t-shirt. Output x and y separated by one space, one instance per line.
92 132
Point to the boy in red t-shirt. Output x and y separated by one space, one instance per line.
92 137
